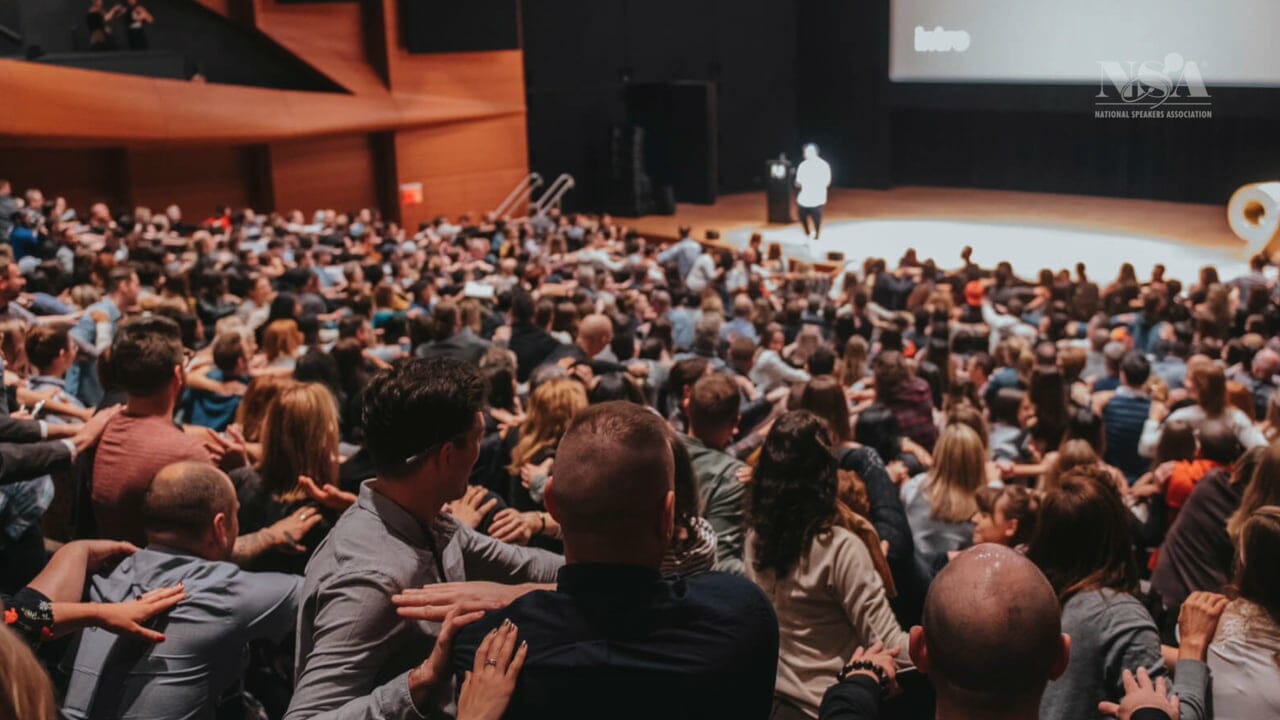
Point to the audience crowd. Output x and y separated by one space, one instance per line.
324 466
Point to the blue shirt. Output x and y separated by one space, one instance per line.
212 410
203 653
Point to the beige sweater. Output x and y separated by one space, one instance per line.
831 602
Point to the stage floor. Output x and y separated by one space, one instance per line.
1030 230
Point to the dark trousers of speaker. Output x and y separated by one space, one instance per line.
811 215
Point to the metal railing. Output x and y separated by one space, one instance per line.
553 195
522 193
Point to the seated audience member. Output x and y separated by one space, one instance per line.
940 502
817 572
189 512
96 329
532 344
148 362
616 639
1006 515
908 396
25 690
216 410
990 639
50 354
1096 583
1197 551
1207 388
356 657
453 339
1124 416
1243 654
693 540
712 410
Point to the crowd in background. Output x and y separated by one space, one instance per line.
325 466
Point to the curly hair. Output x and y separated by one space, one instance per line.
793 492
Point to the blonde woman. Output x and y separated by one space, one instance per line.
551 408
299 436
940 503
280 344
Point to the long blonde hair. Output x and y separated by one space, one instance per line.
299 437
551 407
853 366
1263 489
25 690
960 468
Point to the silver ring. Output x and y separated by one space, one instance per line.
491 662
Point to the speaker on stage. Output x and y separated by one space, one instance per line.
780 179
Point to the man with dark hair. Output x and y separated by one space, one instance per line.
821 362
356 657
148 364
452 338
532 344
711 409
189 510
96 329
216 410
615 639
1124 415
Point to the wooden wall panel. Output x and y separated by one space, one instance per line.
83 175
196 178
331 172
464 167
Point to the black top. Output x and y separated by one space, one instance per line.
1197 552
620 641
259 509
532 346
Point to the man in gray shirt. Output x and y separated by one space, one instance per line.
190 515
357 658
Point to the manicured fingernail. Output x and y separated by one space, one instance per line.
524 645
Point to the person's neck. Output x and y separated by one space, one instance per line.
202 548
161 405
594 550
422 500
715 441
948 709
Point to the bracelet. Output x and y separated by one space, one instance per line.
866 665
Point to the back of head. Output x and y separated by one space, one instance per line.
991 631
713 405
145 355
418 404
824 397
299 437
183 499
1084 507
1218 442
1258 555
228 350
614 475
1135 369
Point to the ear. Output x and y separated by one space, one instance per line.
1011 528
1059 665
669 514
917 649
221 529
548 499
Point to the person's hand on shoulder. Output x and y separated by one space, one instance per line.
486 691
1140 694
1197 622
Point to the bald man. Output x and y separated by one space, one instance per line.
1263 372
615 639
990 641
190 517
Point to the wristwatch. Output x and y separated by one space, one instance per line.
865 665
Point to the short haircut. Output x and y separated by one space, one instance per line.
184 497
418 404
1135 368
45 343
741 350
228 349
118 276
713 404
143 358
822 362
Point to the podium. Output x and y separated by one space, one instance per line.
779 188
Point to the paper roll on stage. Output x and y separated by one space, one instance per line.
1254 216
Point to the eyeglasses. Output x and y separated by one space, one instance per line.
429 451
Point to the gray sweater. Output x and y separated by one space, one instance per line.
1111 632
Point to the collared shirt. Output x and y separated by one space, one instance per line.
619 641
354 652
723 500
203 653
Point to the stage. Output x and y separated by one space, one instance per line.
1030 230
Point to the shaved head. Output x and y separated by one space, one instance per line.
613 478
595 332
992 628
183 500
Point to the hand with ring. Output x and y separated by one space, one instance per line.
487 690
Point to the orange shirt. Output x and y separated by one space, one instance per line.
1186 473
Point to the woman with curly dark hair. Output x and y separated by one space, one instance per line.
822 578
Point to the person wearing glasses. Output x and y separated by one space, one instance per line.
357 656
